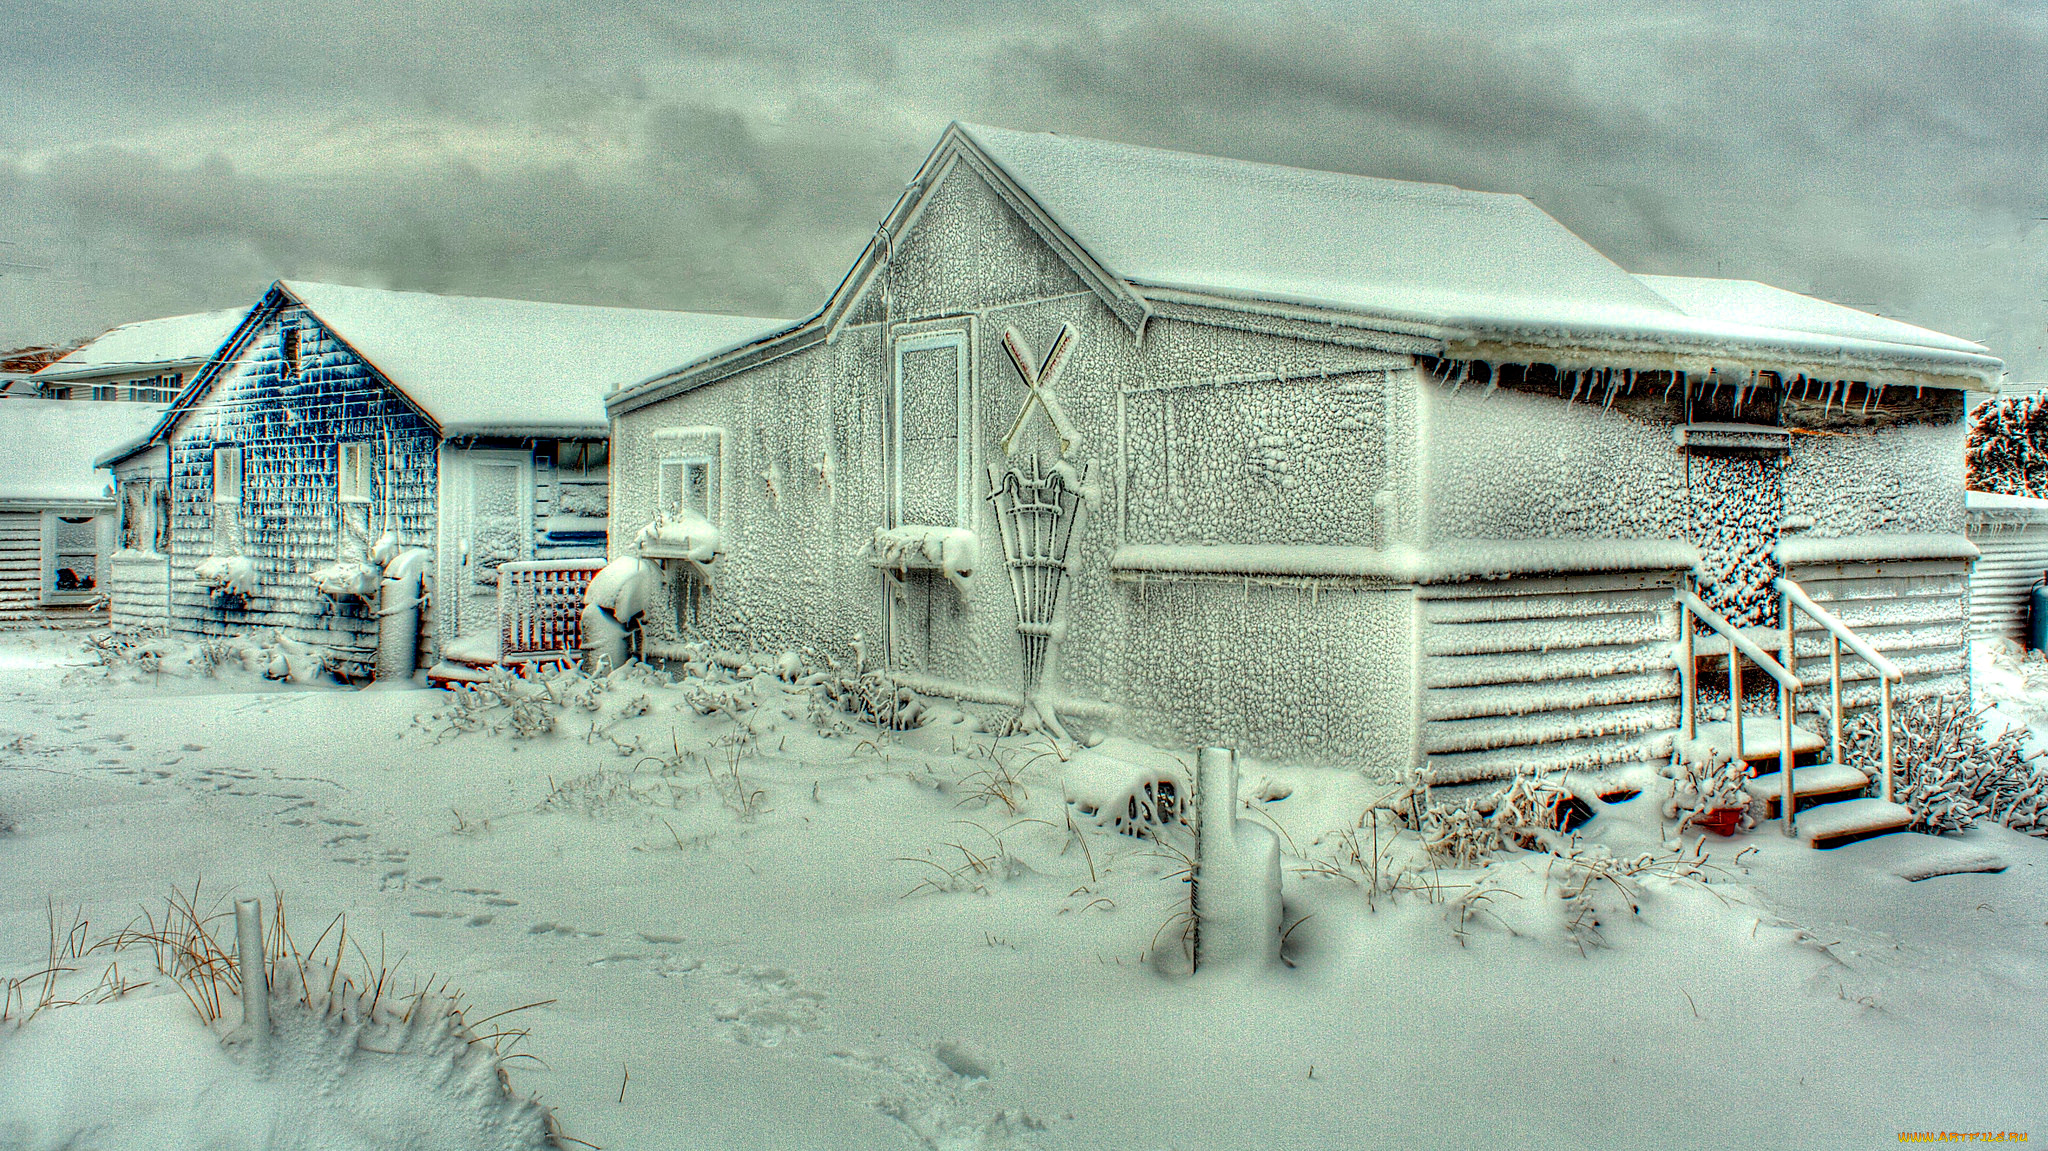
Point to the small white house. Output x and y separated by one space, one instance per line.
57 522
1310 464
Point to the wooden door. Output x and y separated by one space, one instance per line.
495 508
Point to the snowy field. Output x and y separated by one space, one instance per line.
752 921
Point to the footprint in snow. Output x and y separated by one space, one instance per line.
940 1102
563 930
771 1007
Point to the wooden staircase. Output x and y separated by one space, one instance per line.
1816 800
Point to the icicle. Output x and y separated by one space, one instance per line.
1867 394
1672 382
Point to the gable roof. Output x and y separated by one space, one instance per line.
481 366
1474 265
478 366
167 344
1472 271
47 447
1768 309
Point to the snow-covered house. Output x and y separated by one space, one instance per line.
144 362
56 526
1312 464
334 425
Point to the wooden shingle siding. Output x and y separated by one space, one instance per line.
1546 673
290 519
1914 612
138 584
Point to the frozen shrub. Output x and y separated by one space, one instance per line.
1945 771
2004 449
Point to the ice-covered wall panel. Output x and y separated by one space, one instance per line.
1319 673
1900 479
1502 464
968 252
289 519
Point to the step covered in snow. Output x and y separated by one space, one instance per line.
1834 824
1816 782
1759 738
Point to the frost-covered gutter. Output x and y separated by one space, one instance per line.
1895 546
489 431
1446 563
1678 342
716 365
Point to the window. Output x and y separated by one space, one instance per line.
227 475
72 570
688 484
928 477
354 484
576 459
290 352
106 392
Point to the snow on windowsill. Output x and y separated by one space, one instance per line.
1806 550
914 548
687 537
1446 563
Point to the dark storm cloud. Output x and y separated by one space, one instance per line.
734 156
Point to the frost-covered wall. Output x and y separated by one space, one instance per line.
1200 434
288 517
1215 437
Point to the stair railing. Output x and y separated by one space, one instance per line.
1839 634
1690 608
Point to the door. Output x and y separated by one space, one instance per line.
495 511
1736 499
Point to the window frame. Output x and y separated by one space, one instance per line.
363 489
684 464
53 558
960 337
222 494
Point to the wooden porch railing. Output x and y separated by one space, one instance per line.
540 607
1888 672
1789 683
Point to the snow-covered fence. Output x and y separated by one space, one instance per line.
540 607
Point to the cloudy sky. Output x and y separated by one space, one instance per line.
163 157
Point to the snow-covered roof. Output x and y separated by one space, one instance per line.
1425 252
481 366
48 447
2000 501
149 345
1765 307
1474 265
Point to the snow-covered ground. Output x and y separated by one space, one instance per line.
767 925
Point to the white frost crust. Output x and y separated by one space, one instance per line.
1868 548
689 536
1999 501
345 578
234 575
951 550
1448 563
624 588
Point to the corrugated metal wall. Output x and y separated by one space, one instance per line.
2015 555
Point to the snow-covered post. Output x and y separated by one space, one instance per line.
249 961
1236 896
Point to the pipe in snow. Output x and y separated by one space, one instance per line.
399 597
249 962
1236 896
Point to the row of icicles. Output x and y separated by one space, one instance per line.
1610 382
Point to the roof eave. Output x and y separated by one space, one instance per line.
89 371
